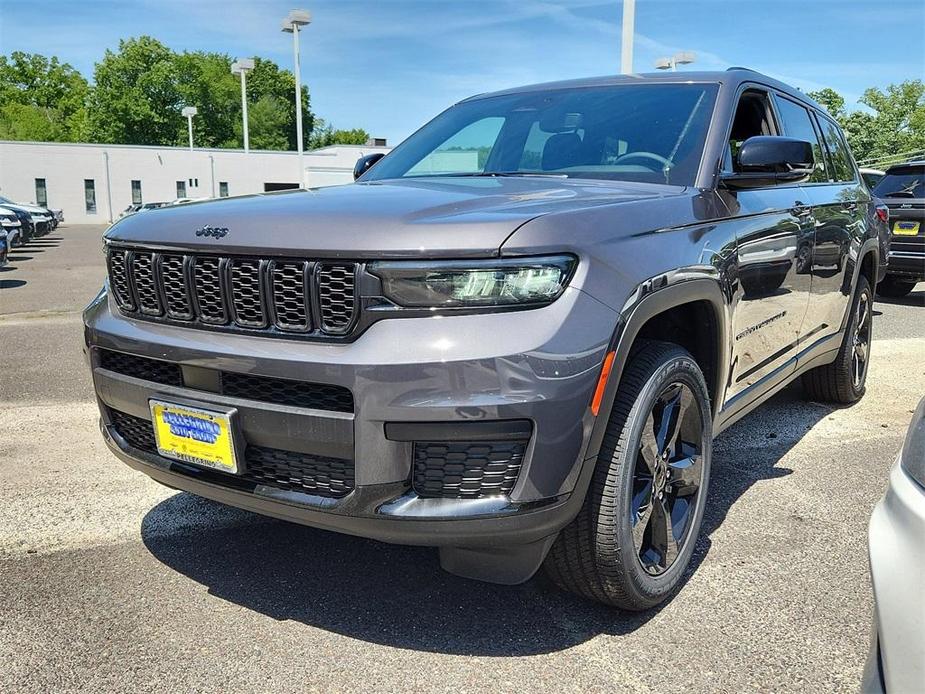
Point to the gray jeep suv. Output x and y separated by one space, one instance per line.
513 338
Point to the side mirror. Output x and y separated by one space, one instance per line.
765 160
364 164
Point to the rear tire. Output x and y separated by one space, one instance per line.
635 534
844 380
894 287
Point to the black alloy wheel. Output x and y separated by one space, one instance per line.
667 479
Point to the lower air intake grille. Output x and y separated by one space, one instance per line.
466 469
282 391
271 467
141 367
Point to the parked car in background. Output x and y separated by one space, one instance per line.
514 337
153 206
40 217
897 568
902 188
4 247
26 227
11 227
871 177
59 217
131 209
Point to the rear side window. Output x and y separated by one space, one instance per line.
905 182
840 159
798 124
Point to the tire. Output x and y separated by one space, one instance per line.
844 380
596 555
894 287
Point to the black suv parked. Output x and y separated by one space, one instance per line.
903 191
514 337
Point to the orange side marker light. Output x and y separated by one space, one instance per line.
602 383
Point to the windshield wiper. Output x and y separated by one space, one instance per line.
503 174
900 194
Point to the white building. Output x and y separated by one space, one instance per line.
93 184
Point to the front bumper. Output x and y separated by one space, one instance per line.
539 366
897 567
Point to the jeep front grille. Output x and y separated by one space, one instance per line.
289 296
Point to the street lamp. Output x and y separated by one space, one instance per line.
240 67
291 24
189 112
626 47
679 58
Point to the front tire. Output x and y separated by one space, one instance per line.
844 380
635 534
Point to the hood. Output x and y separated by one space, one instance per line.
31 209
445 217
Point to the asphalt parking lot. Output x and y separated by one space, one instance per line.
111 582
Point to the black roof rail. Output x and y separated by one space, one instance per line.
739 67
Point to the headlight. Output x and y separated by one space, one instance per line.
459 283
9 221
913 455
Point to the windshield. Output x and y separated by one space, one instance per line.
645 132
902 183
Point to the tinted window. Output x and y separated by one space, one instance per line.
136 192
41 193
839 158
223 189
181 189
622 132
797 123
906 182
90 195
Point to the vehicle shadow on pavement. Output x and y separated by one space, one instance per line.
11 284
911 299
399 596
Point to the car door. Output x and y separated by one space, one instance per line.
773 229
839 212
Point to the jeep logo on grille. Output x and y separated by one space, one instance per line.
214 232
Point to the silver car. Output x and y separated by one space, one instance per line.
897 569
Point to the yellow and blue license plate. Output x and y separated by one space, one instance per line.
905 228
194 435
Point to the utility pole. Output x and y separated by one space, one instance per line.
291 24
629 27
189 112
240 67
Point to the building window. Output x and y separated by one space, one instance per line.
136 192
223 189
41 194
90 195
181 189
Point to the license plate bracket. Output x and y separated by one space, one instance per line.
198 434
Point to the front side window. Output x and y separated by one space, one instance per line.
41 193
651 132
136 192
752 118
181 189
797 123
90 195
839 157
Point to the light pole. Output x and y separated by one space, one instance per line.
240 67
679 58
291 24
189 112
626 46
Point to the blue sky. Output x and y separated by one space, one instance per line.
390 65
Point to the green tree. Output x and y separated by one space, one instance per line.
893 131
268 124
137 97
326 135
42 98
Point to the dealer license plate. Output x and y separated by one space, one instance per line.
906 228
194 435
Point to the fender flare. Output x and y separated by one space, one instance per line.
632 321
